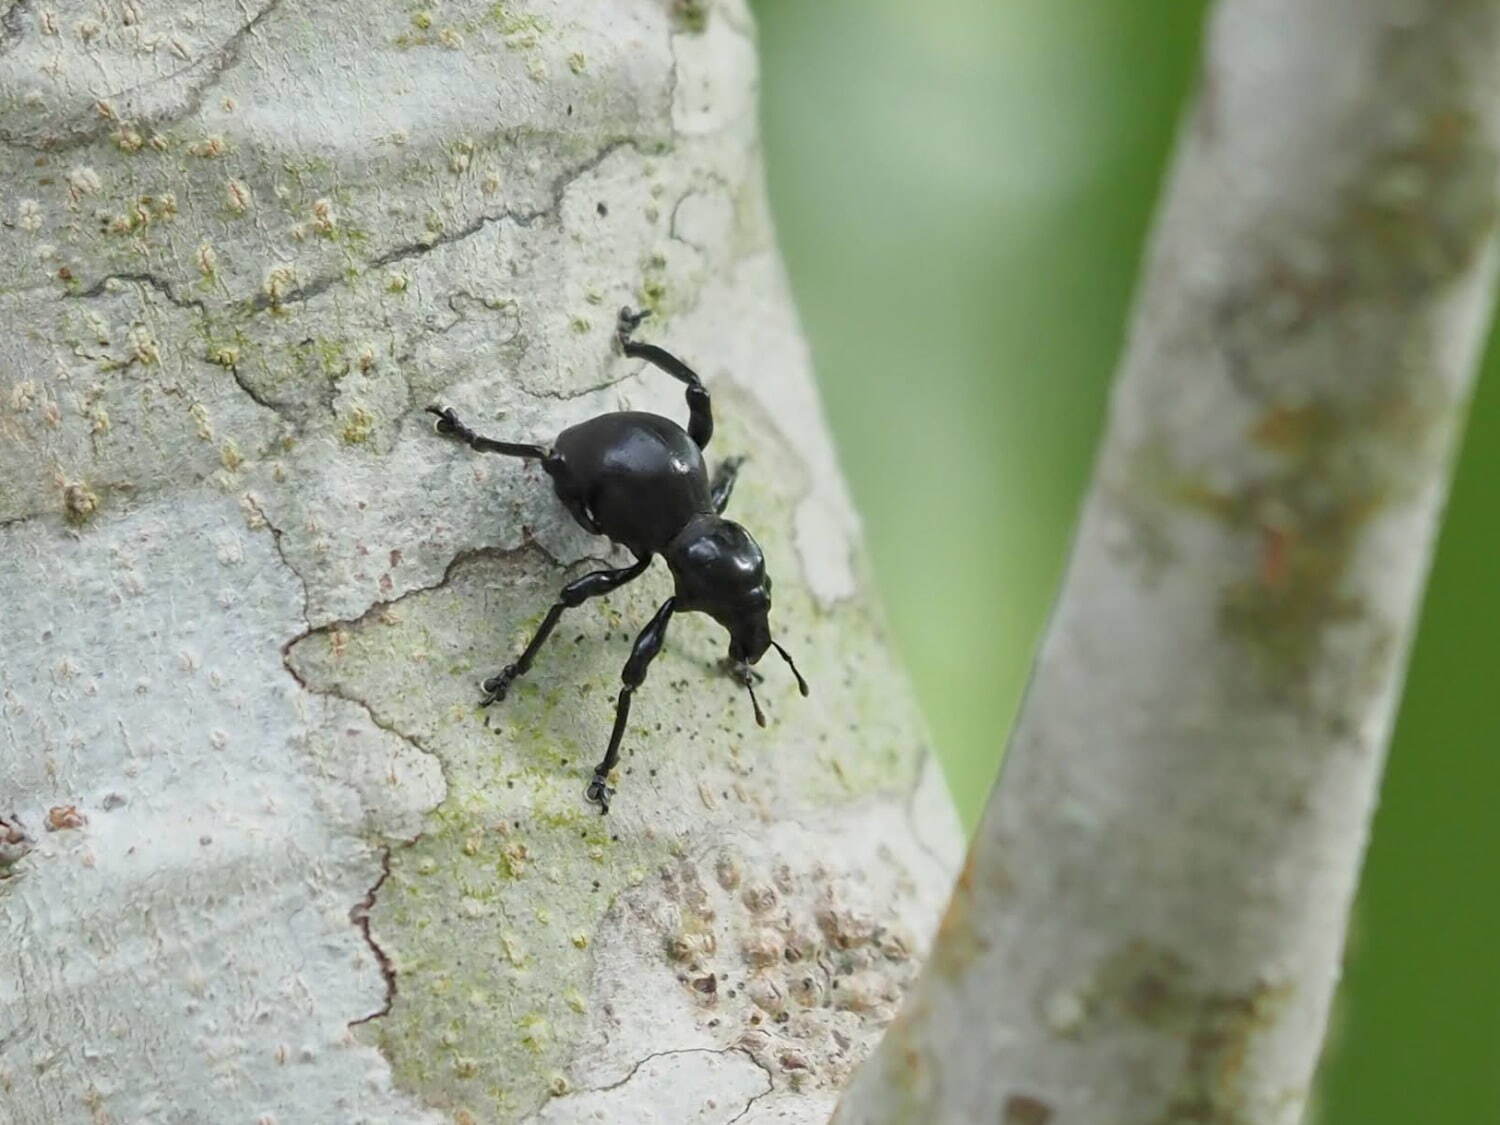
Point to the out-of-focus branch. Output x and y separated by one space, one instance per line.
1150 923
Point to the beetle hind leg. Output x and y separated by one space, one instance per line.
700 406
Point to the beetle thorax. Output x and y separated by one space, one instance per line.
719 569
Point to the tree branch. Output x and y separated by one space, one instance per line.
1150 922
249 595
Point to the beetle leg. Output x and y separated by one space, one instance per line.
647 645
723 483
575 593
736 670
700 406
449 425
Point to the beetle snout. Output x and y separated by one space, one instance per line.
749 639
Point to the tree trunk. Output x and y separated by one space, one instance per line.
1149 926
282 866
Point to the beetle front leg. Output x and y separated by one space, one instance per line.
575 593
449 425
647 645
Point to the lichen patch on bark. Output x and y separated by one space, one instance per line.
459 918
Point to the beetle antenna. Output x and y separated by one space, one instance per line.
747 677
801 683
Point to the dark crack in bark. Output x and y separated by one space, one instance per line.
359 914
101 287
592 388
334 693
376 719
16 521
252 393
770 1086
216 62
401 253
654 1055
276 534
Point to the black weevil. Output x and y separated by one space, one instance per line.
640 480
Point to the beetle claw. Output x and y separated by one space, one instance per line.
740 672
629 321
496 687
600 793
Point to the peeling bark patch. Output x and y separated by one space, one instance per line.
1157 989
15 845
802 971
799 961
691 15
62 818
359 914
1023 1109
1222 1035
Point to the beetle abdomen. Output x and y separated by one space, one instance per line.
641 476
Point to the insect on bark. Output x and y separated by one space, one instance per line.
640 479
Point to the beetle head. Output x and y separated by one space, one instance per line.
719 570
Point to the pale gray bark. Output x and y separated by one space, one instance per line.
281 867
1149 926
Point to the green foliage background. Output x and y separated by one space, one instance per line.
962 189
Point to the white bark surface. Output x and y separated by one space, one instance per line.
281 867
1149 927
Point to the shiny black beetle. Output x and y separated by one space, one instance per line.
639 479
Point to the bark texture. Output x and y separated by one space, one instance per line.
1149 926
262 856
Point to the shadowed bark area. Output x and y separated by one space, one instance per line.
1149 925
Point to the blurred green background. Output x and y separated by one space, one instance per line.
962 189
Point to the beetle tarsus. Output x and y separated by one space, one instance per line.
448 425
629 321
599 792
496 687
738 670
